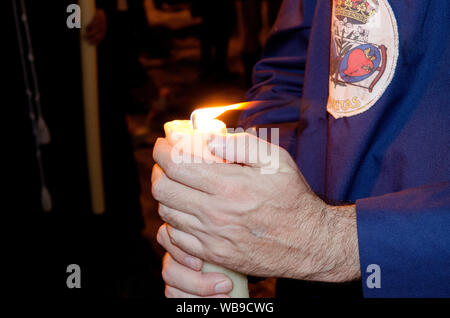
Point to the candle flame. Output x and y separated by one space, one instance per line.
203 116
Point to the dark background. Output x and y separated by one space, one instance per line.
157 62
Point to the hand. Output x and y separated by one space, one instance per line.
269 225
182 275
96 29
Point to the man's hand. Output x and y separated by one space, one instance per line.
183 276
269 225
96 29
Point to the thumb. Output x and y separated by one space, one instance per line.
246 149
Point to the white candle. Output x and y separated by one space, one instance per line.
91 112
181 133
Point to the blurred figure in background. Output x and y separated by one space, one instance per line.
45 84
219 19
119 47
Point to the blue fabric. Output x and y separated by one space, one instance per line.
406 233
391 160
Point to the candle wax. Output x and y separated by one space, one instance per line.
181 133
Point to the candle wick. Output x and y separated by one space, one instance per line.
194 120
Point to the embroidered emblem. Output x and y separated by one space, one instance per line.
363 55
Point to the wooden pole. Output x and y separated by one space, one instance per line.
91 110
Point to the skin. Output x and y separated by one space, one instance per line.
231 214
96 29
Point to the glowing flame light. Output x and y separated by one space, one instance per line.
204 118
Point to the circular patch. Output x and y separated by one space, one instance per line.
363 57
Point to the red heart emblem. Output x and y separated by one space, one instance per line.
359 63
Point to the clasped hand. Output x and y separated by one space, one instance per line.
238 215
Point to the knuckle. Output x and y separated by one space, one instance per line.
220 254
229 189
159 235
156 148
166 258
172 168
171 236
167 215
204 289
173 240
154 174
247 206
208 255
168 292
218 219
166 275
217 257
213 256
158 189
283 152
236 188
162 211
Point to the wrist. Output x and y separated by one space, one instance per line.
331 251
340 258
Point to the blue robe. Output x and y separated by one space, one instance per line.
392 160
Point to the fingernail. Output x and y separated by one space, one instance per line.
223 286
193 262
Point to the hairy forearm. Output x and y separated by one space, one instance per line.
331 254
341 256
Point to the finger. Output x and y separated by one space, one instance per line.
93 25
89 29
241 148
185 241
172 292
89 35
93 40
180 220
179 255
206 177
94 30
248 149
98 38
178 196
97 19
194 282
93 35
